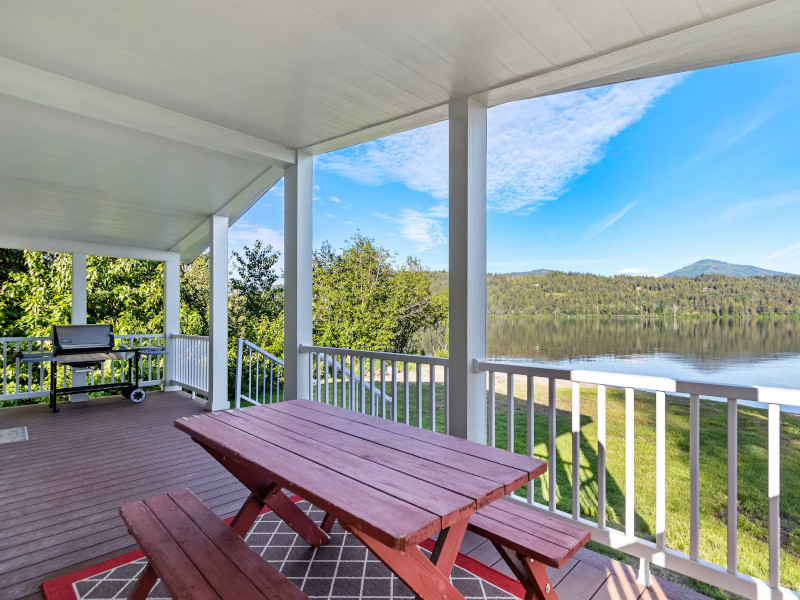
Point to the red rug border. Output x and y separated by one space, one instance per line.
61 588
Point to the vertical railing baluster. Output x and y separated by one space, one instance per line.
419 393
406 392
601 456
630 467
661 469
318 377
433 396
258 371
383 388
694 477
490 412
576 450
733 485
363 386
530 432
447 399
774 493
372 407
510 412
551 443
325 371
353 398
394 390
335 379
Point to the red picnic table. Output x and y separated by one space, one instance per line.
391 485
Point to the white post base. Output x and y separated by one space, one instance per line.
215 406
78 378
171 388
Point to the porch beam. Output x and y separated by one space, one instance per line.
22 242
298 256
195 243
55 91
172 320
467 242
218 315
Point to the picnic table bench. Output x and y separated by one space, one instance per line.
197 556
529 542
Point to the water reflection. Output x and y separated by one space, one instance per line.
739 351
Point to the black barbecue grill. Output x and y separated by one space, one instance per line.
89 346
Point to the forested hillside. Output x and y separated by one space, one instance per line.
583 294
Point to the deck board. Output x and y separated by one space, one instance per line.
61 490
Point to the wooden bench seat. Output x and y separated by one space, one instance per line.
196 555
529 542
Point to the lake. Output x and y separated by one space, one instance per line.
737 351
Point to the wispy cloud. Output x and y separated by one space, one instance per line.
335 199
749 207
784 252
633 271
607 222
425 229
536 147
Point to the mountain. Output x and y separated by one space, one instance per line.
717 267
534 272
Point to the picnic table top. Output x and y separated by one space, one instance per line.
397 483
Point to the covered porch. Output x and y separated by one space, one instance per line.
143 132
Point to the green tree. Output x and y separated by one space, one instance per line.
362 300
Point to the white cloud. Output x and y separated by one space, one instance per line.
761 204
424 229
607 222
335 199
244 233
536 148
633 271
784 252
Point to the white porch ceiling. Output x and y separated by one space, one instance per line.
131 122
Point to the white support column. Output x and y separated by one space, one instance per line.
79 311
298 199
218 316
467 268
79 291
172 319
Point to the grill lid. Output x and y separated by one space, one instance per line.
73 339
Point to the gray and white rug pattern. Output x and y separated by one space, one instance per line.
341 570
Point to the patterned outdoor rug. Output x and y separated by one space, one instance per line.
341 570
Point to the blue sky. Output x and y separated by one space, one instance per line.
641 177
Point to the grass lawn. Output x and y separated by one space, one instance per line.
753 504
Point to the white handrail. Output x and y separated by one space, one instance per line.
263 379
191 362
356 386
728 576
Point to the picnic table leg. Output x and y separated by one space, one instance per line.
269 495
327 522
427 580
147 579
531 574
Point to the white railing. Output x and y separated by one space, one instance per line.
30 378
259 373
401 387
151 367
192 362
656 551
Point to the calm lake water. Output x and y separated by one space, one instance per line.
736 351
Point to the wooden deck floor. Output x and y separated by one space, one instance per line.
61 489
